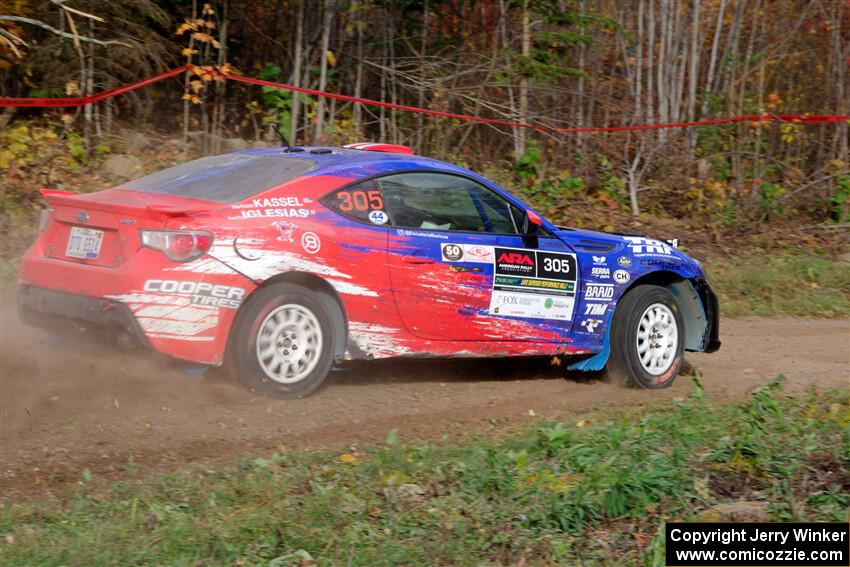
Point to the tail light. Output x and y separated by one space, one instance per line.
178 245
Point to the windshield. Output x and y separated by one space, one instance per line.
225 179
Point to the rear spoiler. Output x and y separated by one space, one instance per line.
50 194
155 212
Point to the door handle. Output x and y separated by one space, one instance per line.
417 260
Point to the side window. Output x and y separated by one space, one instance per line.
439 201
363 202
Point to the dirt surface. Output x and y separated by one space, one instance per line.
73 403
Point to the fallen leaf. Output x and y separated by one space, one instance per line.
392 437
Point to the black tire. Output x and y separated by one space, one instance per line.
243 360
625 361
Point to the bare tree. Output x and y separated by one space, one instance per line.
327 22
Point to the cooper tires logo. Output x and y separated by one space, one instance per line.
202 293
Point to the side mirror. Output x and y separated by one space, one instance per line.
530 228
531 223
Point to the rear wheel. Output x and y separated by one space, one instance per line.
647 338
282 342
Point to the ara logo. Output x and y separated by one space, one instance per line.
516 258
595 308
591 324
599 259
514 262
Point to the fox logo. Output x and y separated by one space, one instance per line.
516 258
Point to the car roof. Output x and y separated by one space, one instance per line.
358 164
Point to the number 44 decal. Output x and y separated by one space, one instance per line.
378 217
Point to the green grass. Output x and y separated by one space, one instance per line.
592 492
804 286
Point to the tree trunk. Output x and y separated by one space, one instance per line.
503 32
639 63
186 80
579 104
92 108
393 79
692 77
358 81
712 64
650 64
524 82
841 56
323 68
661 69
296 72
423 44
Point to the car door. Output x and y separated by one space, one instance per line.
461 270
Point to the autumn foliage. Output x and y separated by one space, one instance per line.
538 62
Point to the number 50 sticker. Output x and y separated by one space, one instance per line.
378 217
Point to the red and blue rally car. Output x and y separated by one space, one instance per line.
278 262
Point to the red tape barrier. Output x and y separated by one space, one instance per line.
72 102
65 102
497 122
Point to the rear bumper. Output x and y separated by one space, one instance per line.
48 309
711 341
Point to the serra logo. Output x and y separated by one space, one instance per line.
516 258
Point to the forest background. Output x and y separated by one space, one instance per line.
724 189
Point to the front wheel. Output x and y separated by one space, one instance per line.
282 343
647 338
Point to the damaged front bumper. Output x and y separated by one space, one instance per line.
711 339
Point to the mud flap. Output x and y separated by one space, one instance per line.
598 360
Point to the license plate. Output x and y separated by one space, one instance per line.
84 243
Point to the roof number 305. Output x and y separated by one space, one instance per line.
360 201
556 265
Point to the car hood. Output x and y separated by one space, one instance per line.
611 244
567 233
